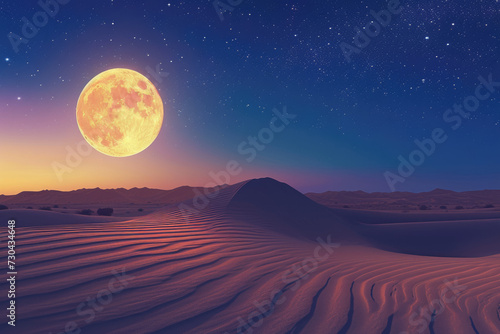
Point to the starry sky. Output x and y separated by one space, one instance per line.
224 70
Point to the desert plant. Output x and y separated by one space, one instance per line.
55 206
489 206
29 207
443 207
86 212
424 207
140 210
46 208
459 207
3 207
105 211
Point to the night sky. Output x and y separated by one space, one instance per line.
354 118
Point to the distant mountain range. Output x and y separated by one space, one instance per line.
334 199
102 196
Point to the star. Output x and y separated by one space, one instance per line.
7 59
19 98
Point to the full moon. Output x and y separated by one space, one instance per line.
119 112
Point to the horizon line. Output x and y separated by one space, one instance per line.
223 185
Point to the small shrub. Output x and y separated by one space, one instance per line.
424 207
46 208
105 211
86 212
140 210
443 207
459 207
56 206
29 207
489 206
346 206
3 207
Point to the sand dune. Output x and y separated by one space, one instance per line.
46 218
251 262
435 199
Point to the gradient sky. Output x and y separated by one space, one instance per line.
353 119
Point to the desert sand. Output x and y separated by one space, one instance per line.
438 199
260 257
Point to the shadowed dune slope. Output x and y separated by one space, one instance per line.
227 269
438 234
280 207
